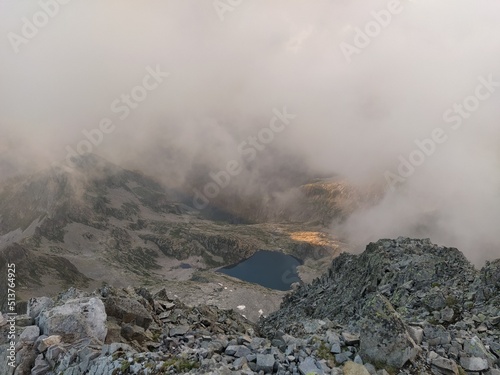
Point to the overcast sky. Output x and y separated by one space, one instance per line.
230 66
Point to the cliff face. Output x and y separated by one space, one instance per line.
404 306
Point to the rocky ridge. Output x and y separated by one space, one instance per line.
402 307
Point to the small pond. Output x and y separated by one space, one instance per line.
271 269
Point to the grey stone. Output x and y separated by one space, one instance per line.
38 304
179 330
30 334
350 339
47 342
384 337
444 366
76 319
239 362
24 320
416 333
342 357
436 335
447 314
475 348
128 310
352 368
237 351
332 337
309 367
335 349
474 363
41 366
265 362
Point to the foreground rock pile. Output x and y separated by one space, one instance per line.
414 305
403 306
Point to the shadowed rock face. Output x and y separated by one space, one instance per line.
384 336
400 294
416 276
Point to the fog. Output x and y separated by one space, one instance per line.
232 64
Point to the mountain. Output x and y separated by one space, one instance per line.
101 223
404 306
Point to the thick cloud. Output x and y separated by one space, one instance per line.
227 76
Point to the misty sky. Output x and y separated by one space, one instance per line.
229 69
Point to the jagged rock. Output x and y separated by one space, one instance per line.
24 320
47 342
38 304
343 357
387 313
352 368
132 332
335 348
436 335
75 319
179 330
443 366
25 358
384 337
408 272
30 334
475 348
416 333
41 366
308 367
350 339
237 351
128 310
474 363
265 362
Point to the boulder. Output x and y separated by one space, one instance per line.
443 366
75 319
309 367
474 364
30 334
38 304
265 362
352 368
384 337
128 310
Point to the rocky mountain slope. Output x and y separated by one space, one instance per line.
404 306
101 223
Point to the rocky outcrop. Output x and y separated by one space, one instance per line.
414 305
384 338
74 319
416 309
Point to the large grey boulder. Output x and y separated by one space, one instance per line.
265 362
75 319
128 310
38 304
352 368
30 334
384 339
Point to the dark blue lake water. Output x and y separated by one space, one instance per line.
271 269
